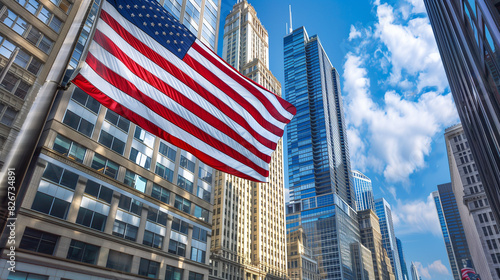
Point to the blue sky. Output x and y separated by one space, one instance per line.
396 100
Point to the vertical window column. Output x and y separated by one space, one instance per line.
77 200
108 228
190 240
142 225
166 240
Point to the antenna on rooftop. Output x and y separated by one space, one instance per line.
291 29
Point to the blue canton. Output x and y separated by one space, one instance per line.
154 20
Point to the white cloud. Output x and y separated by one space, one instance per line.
437 267
353 34
417 6
397 134
411 48
418 216
394 134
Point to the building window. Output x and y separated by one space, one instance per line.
135 181
18 275
201 213
42 13
149 268
198 255
104 165
69 148
199 234
83 252
178 248
91 219
78 123
125 230
50 205
203 194
38 241
157 216
187 164
205 175
173 273
117 120
7 115
145 137
182 204
161 193
195 276
164 172
13 83
167 151
185 183
119 261
140 158
86 100
180 226
130 205
60 176
111 142
99 191
152 239
28 62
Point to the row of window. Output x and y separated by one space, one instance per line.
45 243
42 13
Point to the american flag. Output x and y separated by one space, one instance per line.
146 66
469 274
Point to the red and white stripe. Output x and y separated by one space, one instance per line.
199 103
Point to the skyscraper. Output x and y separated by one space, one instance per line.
107 199
467 35
477 218
364 191
249 225
322 198
451 225
404 269
414 272
301 263
384 213
371 238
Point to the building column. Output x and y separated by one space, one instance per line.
142 225
62 247
189 241
110 221
77 199
102 260
166 239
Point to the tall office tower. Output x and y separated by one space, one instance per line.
451 225
479 224
322 199
363 262
301 263
31 35
364 191
404 269
249 231
414 272
371 237
107 200
383 210
467 36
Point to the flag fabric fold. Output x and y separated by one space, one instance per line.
469 274
146 66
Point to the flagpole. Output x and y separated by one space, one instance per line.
15 169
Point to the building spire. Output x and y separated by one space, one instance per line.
290 9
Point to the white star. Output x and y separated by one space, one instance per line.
159 23
162 17
173 26
120 6
132 15
147 15
156 33
175 41
166 25
178 34
155 16
152 24
179 50
184 35
140 15
128 6
145 24
182 42
144 7
171 33
168 41
135 6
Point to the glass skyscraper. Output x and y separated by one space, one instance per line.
383 210
404 269
322 199
453 232
364 191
